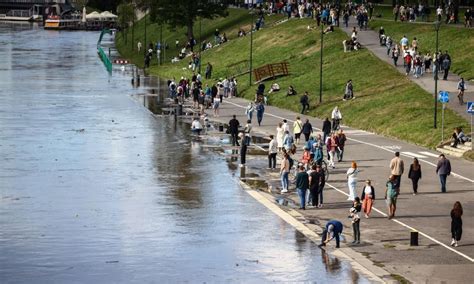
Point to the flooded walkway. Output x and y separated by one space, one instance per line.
96 189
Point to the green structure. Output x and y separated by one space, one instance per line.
103 56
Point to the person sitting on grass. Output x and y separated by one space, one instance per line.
274 88
291 91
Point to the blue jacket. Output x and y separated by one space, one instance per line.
337 226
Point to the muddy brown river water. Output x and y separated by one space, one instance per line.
94 189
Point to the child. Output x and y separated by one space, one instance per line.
354 215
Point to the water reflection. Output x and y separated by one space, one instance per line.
96 189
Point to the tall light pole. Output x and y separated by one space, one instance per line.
145 29
200 40
251 46
321 65
437 26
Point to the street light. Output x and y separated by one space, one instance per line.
437 25
251 46
200 40
321 65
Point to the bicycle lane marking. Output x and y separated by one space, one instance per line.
412 228
366 143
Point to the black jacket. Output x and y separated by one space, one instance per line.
327 126
234 125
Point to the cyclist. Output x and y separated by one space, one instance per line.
336 118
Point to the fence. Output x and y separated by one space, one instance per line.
270 71
103 56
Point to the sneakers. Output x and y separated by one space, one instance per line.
456 243
453 242
320 206
284 191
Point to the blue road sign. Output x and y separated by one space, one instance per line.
443 97
470 107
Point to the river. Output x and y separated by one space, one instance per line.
96 189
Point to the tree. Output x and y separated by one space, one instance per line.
126 15
183 13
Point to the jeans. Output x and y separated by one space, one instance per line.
336 236
302 194
272 160
356 230
316 196
340 154
442 179
395 60
243 153
305 107
284 180
397 181
250 115
415 185
233 139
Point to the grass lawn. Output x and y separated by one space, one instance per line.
387 102
238 18
457 40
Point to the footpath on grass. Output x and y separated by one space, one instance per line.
384 242
370 40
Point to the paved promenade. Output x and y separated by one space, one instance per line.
370 40
385 242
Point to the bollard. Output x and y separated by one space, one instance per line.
221 128
413 238
242 172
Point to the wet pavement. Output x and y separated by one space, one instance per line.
96 188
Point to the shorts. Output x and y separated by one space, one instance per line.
391 201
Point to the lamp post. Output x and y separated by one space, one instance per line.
133 28
251 47
200 40
145 29
321 65
437 25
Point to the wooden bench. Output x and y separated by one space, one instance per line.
271 71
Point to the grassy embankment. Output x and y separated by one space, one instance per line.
458 41
387 102
386 13
238 18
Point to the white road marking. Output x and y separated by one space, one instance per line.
411 228
414 155
362 142
430 154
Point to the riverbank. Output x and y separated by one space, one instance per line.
385 243
386 102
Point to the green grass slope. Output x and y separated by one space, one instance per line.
387 102
237 18
458 41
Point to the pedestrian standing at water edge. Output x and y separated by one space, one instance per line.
304 103
332 230
456 223
443 169
284 171
297 128
317 181
196 126
234 130
272 152
243 149
355 218
397 167
249 110
307 130
302 184
391 195
280 134
260 111
415 174
368 197
351 174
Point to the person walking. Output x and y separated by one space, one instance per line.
260 111
234 130
349 91
341 142
355 218
249 110
288 141
397 168
284 171
415 174
446 64
280 134
461 88
336 116
326 128
443 169
304 100
208 73
351 174
272 152
307 130
456 223
302 185
368 198
391 195
297 128
333 229
317 182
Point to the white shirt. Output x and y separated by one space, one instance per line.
196 125
439 11
336 114
272 147
286 127
368 189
